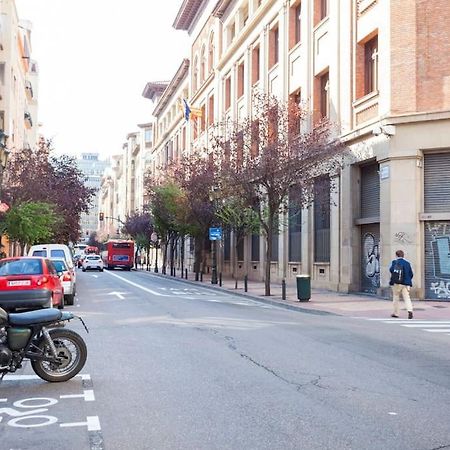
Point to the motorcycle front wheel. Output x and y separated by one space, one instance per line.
70 348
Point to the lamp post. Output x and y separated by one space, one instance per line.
154 239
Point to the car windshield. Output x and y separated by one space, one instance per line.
60 266
21 267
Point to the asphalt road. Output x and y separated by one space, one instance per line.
174 366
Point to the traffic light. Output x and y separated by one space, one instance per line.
101 216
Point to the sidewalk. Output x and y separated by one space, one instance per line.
322 301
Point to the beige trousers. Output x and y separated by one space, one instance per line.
398 289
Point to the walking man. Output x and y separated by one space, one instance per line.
401 282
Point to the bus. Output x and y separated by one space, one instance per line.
91 249
118 253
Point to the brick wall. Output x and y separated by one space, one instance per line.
420 55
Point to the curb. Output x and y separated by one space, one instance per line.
278 303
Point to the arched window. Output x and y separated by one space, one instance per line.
211 52
195 75
202 64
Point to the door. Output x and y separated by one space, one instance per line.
370 258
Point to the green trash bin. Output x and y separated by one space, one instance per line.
303 288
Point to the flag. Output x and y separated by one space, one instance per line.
188 111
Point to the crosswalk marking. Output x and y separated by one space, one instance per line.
430 326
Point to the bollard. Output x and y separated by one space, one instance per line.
283 289
220 279
245 283
185 273
201 276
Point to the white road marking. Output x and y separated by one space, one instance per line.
151 291
95 276
421 325
35 377
87 395
92 423
47 402
438 330
118 294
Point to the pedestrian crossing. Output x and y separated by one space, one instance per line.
430 326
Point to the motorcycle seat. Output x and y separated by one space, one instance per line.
35 317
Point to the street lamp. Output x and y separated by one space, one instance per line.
154 239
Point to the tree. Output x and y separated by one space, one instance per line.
139 226
197 176
240 219
264 156
37 175
31 223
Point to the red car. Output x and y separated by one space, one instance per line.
29 282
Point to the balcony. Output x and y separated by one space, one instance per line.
28 120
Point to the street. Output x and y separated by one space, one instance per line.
177 366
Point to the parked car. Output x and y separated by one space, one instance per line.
67 280
92 262
55 251
30 283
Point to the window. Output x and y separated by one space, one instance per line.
231 32
275 239
295 25
203 118
273 46
295 225
324 96
195 74
244 15
322 220
371 66
239 148
295 100
148 136
240 80
254 150
226 244
211 52
255 247
211 110
240 250
227 92
255 64
203 64
323 9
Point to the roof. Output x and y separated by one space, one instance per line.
154 88
220 8
173 85
186 14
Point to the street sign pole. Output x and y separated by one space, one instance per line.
215 234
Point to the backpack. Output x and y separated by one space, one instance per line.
397 276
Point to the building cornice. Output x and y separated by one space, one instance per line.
154 88
173 85
186 14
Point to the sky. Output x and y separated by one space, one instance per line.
95 58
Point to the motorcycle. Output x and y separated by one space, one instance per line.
56 354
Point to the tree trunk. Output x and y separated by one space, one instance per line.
166 244
182 255
197 255
268 255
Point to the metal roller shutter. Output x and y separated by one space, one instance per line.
437 182
370 191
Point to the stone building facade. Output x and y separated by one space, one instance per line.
381 72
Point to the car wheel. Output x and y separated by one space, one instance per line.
61 303
101 270
83 270
69 299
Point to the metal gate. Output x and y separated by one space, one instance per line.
370 258
437 233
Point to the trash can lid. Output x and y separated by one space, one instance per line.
303 276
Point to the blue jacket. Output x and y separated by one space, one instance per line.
407 271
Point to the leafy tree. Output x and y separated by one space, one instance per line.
93 241
39 176
264 156
197 176
30 223
241 220
139 226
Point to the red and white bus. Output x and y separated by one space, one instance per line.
118 253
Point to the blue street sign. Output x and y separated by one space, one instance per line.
215 234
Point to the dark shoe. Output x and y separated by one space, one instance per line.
410 315
393 315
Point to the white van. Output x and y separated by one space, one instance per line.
53 251
59 251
